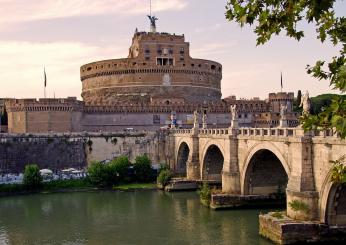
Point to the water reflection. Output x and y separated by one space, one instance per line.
122 218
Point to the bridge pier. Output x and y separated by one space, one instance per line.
193 171
231 182
302 198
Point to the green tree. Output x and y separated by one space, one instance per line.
299 97
3 117
164 177
32 177
120 167
270 17
101 174
143 170
338 170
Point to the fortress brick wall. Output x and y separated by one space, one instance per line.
59 151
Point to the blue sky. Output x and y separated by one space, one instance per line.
62 35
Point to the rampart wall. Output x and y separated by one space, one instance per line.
59 151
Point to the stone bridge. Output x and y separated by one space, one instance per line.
266 160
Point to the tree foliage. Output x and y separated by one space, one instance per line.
101 174
270 17
4 117
32 177
143 170
338 171
119 168
164 177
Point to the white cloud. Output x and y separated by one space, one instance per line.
213 49
22 66
14 11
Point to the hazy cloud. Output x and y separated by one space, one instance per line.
213 49
22 66
14 11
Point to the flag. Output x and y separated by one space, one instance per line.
45 77
281 81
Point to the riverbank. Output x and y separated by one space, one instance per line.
77 185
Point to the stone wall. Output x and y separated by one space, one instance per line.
59 151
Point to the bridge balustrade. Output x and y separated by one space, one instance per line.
276 132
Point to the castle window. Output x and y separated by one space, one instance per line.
192 65
170 51
164 61
199 65
147 51
159 51
182 59
213 67
89 69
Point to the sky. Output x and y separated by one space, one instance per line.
62 35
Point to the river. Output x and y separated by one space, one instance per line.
146 217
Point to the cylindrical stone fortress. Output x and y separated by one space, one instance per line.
158 67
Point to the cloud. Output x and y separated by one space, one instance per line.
213 49
214 27
14 11
22 66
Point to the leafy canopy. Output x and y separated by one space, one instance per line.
32 177
270 17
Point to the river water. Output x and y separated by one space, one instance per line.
146 217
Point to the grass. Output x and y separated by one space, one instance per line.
278 215
133 186
66 184
73 184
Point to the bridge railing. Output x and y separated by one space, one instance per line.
277 132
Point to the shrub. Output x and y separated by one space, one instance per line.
164 177
142 168
205 194
299 206
278 215
32 177
163 166
101 174
119 167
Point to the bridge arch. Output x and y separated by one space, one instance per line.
212 164
264 171
332 202
183 155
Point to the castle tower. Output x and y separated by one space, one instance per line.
276 100
158 67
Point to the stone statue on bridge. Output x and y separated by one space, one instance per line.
234 112
234 116
305 103
195 119
283 111
204 120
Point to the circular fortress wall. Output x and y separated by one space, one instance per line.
158 65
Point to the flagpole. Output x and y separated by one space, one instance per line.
281 82
45 81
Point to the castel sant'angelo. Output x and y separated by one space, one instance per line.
156 85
